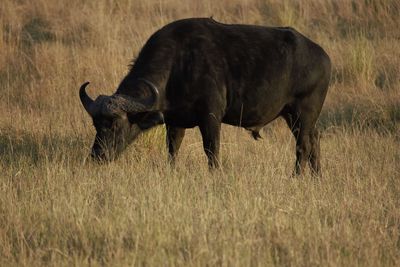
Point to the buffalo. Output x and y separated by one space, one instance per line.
199 72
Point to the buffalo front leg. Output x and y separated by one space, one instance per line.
174 140
210 130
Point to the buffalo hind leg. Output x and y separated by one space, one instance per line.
301 117
210 130
315 163
174 140
307 140
303 152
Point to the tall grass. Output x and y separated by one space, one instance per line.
57 209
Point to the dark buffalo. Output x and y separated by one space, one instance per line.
198 72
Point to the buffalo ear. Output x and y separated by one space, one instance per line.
146 120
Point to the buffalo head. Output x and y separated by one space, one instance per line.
119 119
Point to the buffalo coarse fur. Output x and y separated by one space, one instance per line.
199 72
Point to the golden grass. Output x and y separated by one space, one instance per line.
56 209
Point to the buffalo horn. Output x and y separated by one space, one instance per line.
150 103
87 102
125 103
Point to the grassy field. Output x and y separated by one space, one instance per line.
57 209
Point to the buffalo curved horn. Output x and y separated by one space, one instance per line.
87 102
150 103
125 103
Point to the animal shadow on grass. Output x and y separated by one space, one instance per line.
33 149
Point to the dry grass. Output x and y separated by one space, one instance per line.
57 210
